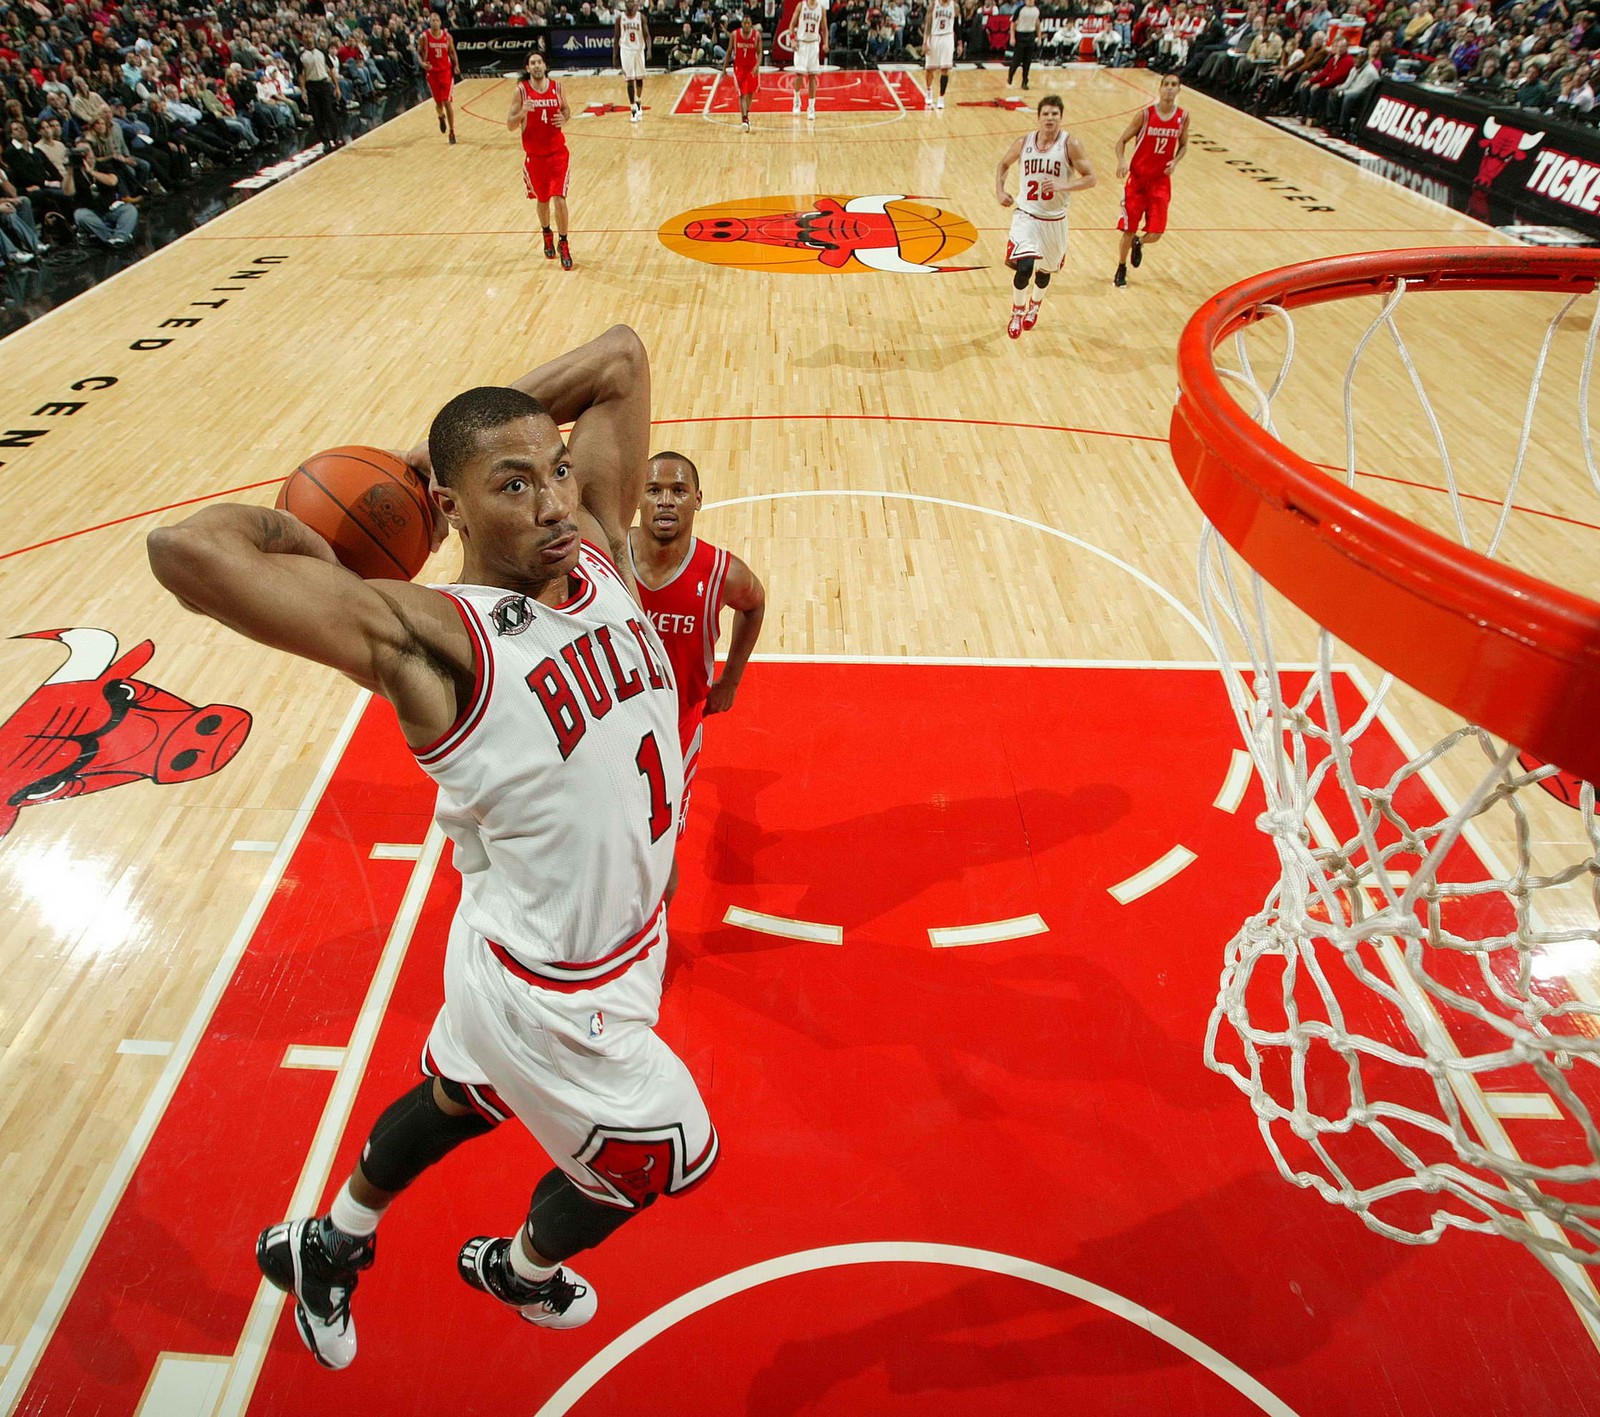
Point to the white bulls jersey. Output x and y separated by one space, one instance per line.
559 783
632 31
1043 170
808 24
943 18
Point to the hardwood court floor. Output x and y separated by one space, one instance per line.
911 484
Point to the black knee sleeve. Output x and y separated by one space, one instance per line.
562 1220
944 83
1042 279
1024 273
412 1134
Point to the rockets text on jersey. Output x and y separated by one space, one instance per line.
436 49
1158 144
560 781
1044 170
540 109
808 23
746 49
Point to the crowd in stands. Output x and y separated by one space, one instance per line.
111 105
1303 60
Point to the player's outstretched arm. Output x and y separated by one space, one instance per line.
603 389
1012 155
744 594
268 576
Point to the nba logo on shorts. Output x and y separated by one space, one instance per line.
597 1024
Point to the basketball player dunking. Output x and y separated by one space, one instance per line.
437 52
1162 131
538 697
939 46
632 43
684 583
539 109
745 51
807 36
1037 246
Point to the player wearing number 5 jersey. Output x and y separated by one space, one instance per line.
939 45
538 697
1161 137
1054 166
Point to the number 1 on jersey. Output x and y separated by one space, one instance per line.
649 764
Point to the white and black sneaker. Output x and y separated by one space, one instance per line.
562 1301
300 1258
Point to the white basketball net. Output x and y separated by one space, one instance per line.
1400 983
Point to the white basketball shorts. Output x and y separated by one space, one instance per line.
1045 241
941 52
584 1071
806 60
632 63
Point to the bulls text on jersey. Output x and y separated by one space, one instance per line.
580 662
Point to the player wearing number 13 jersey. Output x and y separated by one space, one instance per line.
1054 166
1161 136
538 697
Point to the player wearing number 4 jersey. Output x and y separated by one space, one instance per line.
539 109
538 697
1054 166
1162 134
684 584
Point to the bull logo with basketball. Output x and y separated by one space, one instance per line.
824 235
94 724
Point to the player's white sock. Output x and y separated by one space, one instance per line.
350 1216
523 1267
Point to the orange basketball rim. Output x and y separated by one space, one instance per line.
1504 649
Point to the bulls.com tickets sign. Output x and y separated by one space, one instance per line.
1515 155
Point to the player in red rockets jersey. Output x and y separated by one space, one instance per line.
539 109
745 52
684 585
437 52
1162 134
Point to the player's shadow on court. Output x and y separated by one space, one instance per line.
1225 1267
912 352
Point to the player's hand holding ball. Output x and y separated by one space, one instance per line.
372 507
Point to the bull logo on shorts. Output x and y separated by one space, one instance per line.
823 235
92 726
634 1165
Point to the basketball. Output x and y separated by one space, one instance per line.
371 507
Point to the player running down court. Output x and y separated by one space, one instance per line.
745 51
538 697
632 43
939 46
1054 166
437 52
807 36
684 583
539 108
1162 131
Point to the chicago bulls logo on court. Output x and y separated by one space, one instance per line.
1501 146
634 1165
823 235
92 725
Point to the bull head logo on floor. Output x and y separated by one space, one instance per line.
92 725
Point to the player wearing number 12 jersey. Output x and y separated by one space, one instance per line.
537 696
1162 133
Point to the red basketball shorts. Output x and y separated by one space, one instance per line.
546 174
441 85
1145 199
745 81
